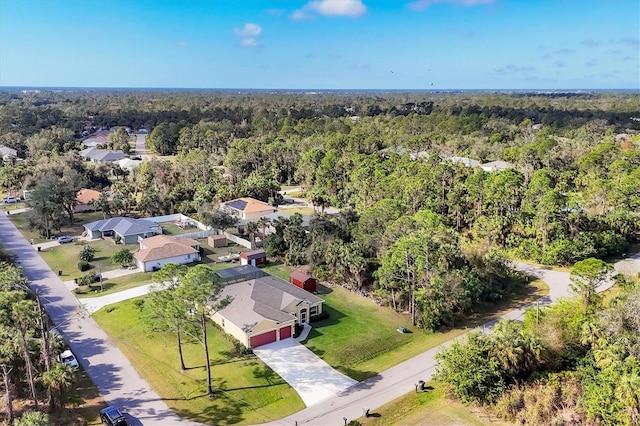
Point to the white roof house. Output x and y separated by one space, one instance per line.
6 153
469 162
496 166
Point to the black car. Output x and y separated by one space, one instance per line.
111 416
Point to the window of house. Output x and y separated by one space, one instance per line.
313 310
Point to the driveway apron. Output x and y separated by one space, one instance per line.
310 376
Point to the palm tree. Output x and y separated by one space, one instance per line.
252 228
263 224
58 380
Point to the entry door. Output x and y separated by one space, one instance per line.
303 316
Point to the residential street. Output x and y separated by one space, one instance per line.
119 383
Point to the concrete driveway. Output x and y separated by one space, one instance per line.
313 379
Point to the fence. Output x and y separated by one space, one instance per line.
238 240
178 217
195 235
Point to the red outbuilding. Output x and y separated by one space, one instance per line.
304 281
253 258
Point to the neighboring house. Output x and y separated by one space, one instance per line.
102 156
247 208
128 229
84 199
496 166
100 137
253 258
468 162
129 164
7 153
304 281
157 251
263 308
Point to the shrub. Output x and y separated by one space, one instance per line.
88 253
87 279
320 317
83 265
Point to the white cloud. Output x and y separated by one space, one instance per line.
249 30
249 42
349 8
299 15
420 5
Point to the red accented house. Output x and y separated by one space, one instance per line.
254 258
304 281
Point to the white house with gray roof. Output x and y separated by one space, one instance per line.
128 229
7 153
264 308
102 156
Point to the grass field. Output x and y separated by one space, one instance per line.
170 228
360 339
65 257
429 408
114 285
304 211
248 392
278 269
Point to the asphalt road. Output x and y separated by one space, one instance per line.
118 382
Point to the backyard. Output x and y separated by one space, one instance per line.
247 391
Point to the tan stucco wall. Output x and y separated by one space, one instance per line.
231 328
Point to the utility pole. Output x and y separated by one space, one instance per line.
100 275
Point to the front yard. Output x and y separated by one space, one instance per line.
65 257
248 392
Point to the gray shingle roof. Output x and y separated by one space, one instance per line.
123 226
102 154
262 298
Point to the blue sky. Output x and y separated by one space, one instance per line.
322 44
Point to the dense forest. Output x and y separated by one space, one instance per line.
415 230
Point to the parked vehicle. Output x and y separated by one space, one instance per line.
69 358
65 239
111 416
10 200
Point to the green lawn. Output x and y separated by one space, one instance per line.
431 407
248 391
278 269
210 255
114 285
304 211
65 257
170 228
360 339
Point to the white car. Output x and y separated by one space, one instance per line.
10 200
69 358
